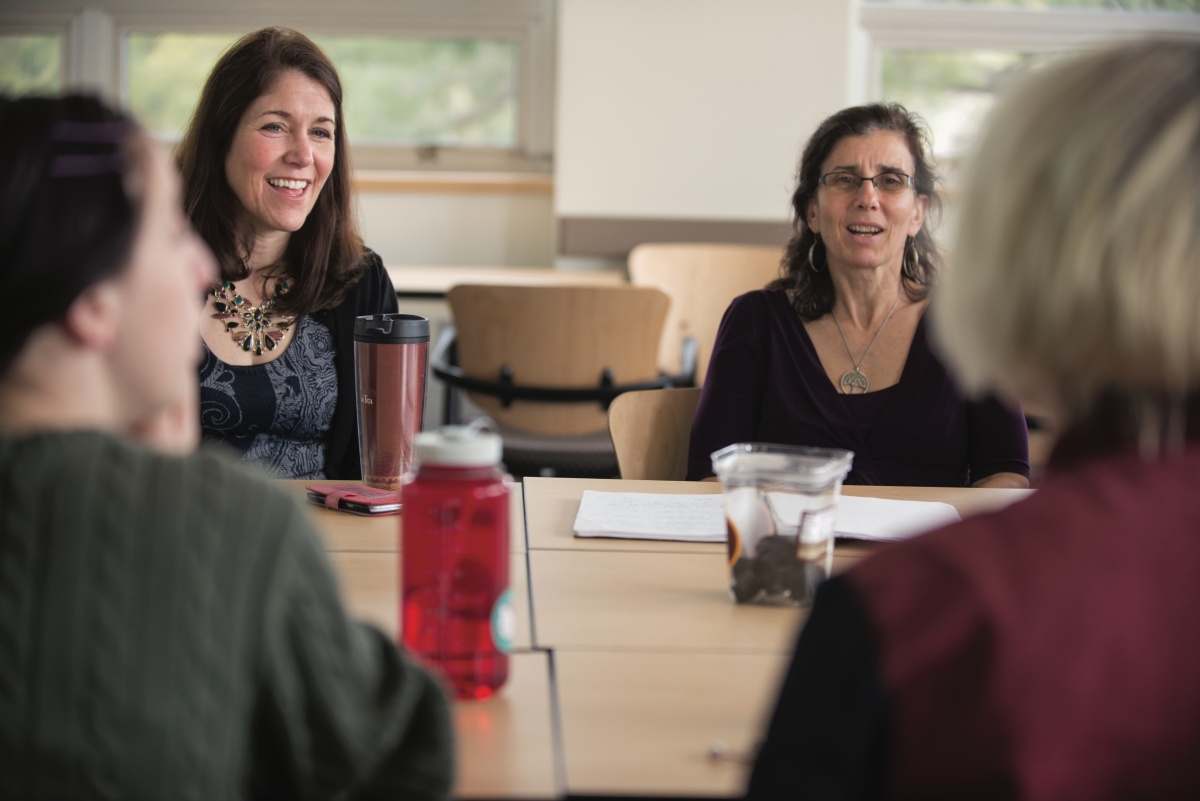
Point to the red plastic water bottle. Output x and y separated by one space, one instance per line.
456 610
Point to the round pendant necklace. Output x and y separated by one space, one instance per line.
254 328
854 382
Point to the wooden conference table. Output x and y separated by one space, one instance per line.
631 661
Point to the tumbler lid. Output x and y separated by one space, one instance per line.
395 329
459 446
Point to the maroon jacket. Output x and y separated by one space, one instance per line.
1047 651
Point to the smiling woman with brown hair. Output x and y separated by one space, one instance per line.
835 353
266 171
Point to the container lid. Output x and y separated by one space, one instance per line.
459 446
396 329
750 462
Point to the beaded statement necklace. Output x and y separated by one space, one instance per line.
253 327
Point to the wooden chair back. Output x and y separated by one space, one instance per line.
556 336
701 280
650 430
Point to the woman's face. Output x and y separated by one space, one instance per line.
157 343
281 154
867 229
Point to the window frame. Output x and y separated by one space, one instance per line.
927 26
94 44
884 26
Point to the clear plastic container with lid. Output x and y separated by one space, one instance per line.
456 611
780 503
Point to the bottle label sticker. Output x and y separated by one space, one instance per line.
504 622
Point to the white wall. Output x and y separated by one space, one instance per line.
693 109
458 228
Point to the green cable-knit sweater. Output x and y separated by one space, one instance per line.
170 628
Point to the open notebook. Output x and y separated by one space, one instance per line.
701 518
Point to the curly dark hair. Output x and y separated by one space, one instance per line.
811 291
326 256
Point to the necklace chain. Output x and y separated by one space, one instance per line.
854 381
253 327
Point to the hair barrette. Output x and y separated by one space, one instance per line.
112 131
78 166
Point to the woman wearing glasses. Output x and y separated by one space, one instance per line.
835 352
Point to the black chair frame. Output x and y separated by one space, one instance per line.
444 365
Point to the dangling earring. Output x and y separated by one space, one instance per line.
910 268
812 264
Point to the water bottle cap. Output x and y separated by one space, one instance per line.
459 446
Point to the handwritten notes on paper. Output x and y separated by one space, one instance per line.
701 518
646 516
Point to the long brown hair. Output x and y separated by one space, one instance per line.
811 290
326 256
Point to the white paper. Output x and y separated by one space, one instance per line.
647 516
887 520
701 518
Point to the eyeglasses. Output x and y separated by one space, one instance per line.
889 183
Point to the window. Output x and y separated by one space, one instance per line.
1119 6
429 92
164 74
30 63
415 92
953 89
948 59
445 85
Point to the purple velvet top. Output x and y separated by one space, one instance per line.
765 383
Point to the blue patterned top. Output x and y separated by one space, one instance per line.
277 415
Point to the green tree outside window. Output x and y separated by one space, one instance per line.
30 63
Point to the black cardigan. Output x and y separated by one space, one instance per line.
373 294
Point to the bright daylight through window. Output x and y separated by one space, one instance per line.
419 92
30 63
948 59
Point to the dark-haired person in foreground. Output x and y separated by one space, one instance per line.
169 623
835 353
267 184
1046 652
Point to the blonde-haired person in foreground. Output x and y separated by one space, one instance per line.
1047 651
170 627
